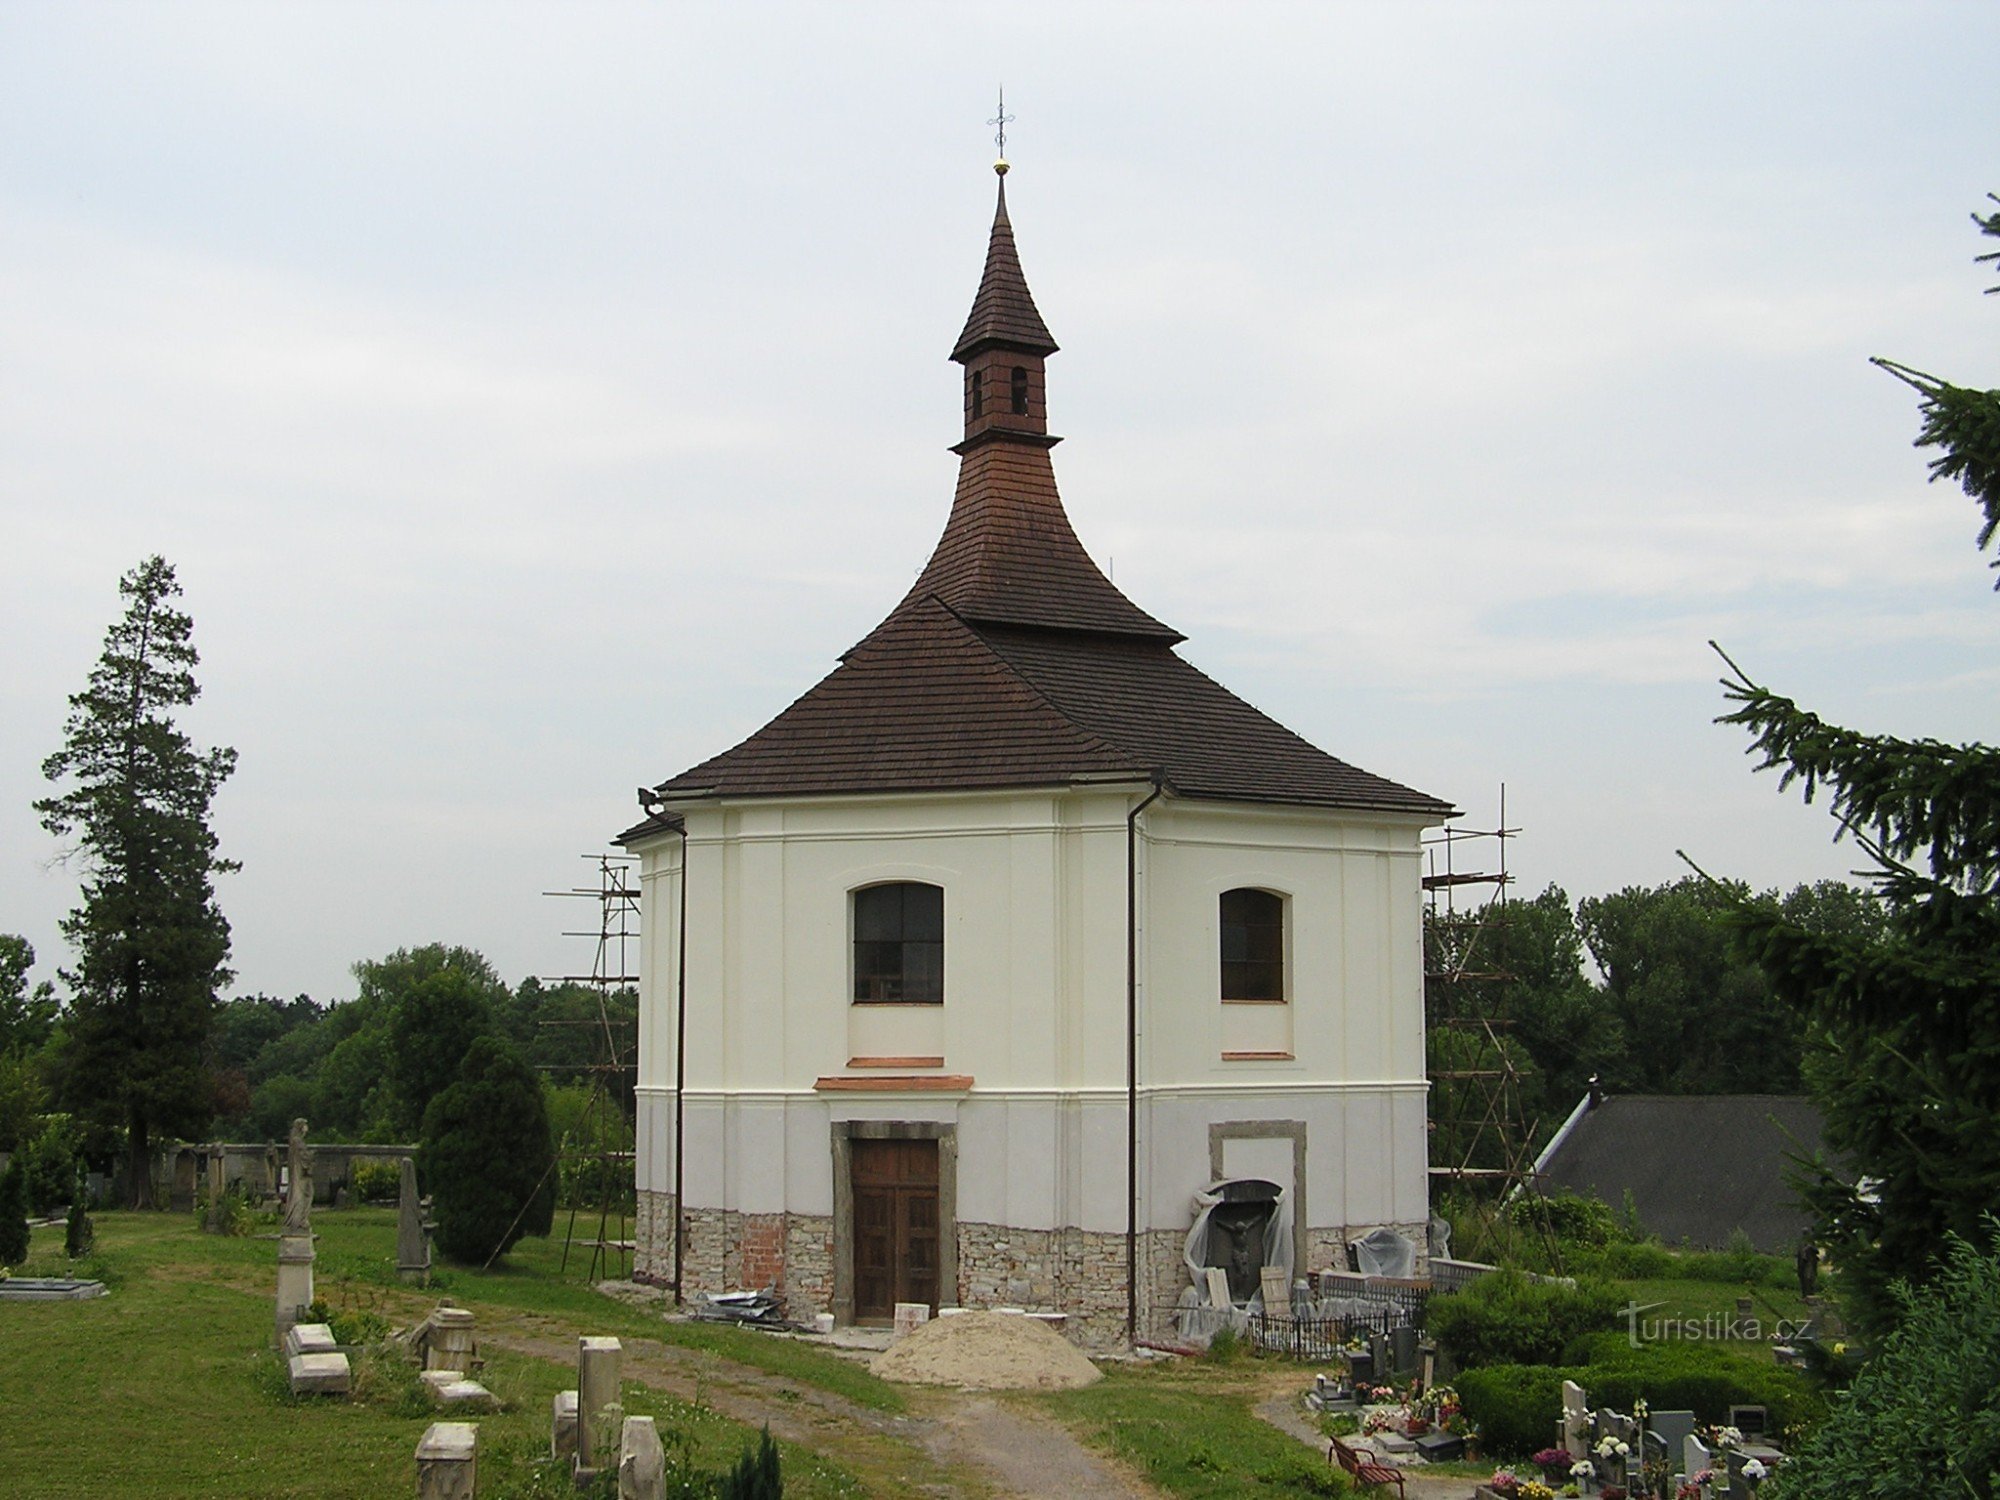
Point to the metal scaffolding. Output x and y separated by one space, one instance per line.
584 1155
1478 1116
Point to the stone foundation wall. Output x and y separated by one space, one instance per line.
726 1251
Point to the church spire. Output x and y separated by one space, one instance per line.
1008 555
1003 313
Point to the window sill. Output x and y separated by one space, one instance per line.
1256 1002
923 1083
899 1004
1259 1057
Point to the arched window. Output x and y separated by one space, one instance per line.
975 393
1019 384
899 943
1253 945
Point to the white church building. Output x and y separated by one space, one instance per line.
964 975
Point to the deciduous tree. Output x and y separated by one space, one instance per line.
149 939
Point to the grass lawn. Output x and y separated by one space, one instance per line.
169 1386
1188 1427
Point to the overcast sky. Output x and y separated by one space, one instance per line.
534 400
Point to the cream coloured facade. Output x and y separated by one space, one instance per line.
1030 1039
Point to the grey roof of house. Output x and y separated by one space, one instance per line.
1698 1167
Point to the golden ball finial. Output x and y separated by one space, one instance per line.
1000 166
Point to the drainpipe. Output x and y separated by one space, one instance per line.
680 1063
1132 1056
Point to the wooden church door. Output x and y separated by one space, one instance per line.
895 1226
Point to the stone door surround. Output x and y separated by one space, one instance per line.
844 1134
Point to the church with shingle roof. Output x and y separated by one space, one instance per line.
966 972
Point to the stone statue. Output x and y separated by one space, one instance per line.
298 1199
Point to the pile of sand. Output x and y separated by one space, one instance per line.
986 1351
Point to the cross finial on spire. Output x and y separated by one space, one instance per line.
1001 121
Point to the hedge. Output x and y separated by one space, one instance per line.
1517 1407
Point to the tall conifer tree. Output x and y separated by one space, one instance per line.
149 939
1909 1070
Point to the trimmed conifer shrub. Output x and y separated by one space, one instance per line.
487 1155
756 1475
13 1215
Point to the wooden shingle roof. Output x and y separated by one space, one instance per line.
1013 660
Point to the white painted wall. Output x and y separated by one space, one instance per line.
1035 996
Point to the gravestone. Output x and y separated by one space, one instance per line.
642 1462
1575 1420
598 1362
1276 1290
451 1345
448 1461
320 1374
1403 1343
1378 1347
562 1425
413 1244
217 1218
309 1338
295 1238
1751 1421
1673 1428
1695 1456
1218 1286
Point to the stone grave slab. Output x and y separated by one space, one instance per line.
321 1374
448 1461
562 1425
1440 1447
309 1338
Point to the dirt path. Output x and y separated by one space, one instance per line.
1029 1455
948 1443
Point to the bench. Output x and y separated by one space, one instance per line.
1365 1470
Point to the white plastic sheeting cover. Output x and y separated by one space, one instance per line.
1383 1252
1277 1246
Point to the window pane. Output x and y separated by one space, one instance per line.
878 913
878 971
923 971
923 912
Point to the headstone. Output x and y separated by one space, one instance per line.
1695 1456
1751 1421
562 1426
1218 1286
1277 1291
466 1394
436 1380
218 1174
295 1238
309 1338
451 1345
1740 1487
910 1316
1403 1343
1575 1420
1378 1346
448 1461
320 1374
597 1376
642 1462
1673 1428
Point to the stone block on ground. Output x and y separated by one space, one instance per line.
468 1395
562 1425
910 1316
1440 1447
321 1375
448 1461
642 1462
450 1345
308 1338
